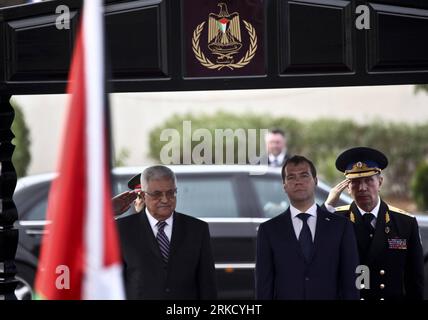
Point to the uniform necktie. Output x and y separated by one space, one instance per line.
368 217
163 240
305 237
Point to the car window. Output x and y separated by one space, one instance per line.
272 198
38 211
207 197
320 196
202 196
271 195
32 201
120 183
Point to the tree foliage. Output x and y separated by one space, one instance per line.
21 156
421 88
420 186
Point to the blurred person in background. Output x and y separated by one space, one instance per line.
276 143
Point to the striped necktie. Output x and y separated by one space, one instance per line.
163 240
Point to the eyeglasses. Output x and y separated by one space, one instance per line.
157 195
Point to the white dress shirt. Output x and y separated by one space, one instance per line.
375 211
167 229
298 223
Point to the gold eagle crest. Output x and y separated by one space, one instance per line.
224 40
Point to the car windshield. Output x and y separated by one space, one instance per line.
208 198
272 198
216 196
203 194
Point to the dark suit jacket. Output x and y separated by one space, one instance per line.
394 256
281 271
190 272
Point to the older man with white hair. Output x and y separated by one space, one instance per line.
166 254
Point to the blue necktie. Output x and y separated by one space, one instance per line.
163 240
305 237
276 162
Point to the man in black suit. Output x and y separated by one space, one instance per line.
305 252
388 237
276 143
166 254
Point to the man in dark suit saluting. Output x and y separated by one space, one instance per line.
305 253
166 254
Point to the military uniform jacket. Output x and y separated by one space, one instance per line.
393 253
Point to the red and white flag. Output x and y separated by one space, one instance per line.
80 256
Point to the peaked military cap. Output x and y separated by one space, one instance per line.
361 162
135 182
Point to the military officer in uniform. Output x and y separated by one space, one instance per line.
388 238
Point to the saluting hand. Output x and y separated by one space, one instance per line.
123 201
139 202
334 195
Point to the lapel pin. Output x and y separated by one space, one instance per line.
387 230
328 219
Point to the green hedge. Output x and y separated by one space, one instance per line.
406 146
420 186
21 156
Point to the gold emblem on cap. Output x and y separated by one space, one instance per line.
361 169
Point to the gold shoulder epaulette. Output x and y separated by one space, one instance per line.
398 210
343 208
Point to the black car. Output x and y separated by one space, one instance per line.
234 200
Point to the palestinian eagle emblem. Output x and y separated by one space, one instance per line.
224 40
